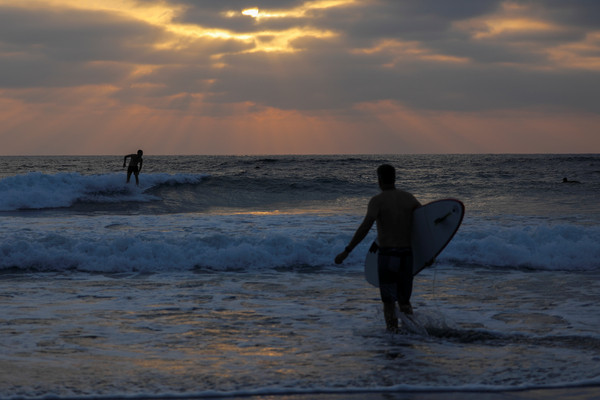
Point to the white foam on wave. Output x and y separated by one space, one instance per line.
246 242
553 246
36 190
162 243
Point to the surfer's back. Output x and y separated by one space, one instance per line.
392 209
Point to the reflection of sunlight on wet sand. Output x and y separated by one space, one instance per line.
230 348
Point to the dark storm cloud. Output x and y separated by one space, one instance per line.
327 75
74 36
430 22
67 48
581 13
442 65
420 85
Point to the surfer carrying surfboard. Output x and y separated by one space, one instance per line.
392 210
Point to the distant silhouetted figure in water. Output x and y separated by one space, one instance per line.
565 180
136 159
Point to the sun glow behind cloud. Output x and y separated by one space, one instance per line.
583 55
497 27
251 12
156 13
296 12
403 51
164 16
299 76
521 26
512 20
281 39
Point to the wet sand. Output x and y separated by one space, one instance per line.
571 393
566 393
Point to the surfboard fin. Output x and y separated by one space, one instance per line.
374 247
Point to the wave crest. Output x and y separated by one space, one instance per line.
36 190
177 242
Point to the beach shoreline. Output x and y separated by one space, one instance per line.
560 393
557 393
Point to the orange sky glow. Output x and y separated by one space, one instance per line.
299 77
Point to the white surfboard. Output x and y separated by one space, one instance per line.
433 226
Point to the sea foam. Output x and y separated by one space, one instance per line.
157 243
36 190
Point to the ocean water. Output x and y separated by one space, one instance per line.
215 277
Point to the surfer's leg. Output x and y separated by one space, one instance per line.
388 275
387 279
406 308
405 283
391 320
129 172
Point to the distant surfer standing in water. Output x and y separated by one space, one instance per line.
136 159
392 210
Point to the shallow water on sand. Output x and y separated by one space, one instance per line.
195 333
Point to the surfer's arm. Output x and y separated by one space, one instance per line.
361 231
125 159
359 235
141 162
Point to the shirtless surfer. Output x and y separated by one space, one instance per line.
392 210
133 165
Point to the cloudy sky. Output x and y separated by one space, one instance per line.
299 77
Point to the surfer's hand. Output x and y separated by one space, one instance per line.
341 257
